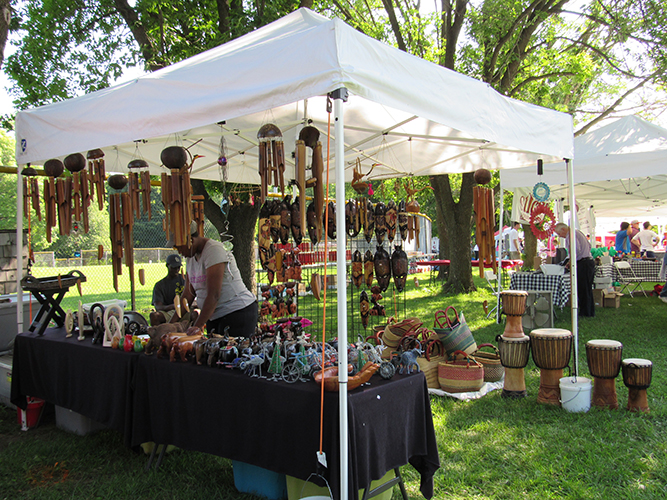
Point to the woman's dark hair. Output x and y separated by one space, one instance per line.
624 225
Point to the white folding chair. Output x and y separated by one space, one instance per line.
492 280
627 278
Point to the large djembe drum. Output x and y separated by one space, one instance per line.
551 353
514 305
637 378
514 352
604 363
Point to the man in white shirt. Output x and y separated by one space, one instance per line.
515 245
646 240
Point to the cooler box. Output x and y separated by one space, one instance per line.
252 479
6 380
72 421
296 488
8 321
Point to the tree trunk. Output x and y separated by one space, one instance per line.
458 221
529 247
5 18
240 225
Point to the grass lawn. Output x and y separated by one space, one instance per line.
490 448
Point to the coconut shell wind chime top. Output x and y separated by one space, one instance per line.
485 223
177 194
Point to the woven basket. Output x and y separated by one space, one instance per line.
461 374
429 362
493 370
454 334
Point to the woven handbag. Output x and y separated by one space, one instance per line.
429 362
493 370
461 374
454 334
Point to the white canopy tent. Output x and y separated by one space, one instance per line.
620 170
411 116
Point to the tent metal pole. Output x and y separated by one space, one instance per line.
19 250
574 295
340 96
500 251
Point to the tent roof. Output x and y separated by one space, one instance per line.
618 168
407 114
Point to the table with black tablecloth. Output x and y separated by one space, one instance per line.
269 424
78 375
646 270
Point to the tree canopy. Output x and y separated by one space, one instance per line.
591 59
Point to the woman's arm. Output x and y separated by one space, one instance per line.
214 275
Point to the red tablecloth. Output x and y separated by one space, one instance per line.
475 263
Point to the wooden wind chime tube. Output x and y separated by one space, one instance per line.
127 204
166 201
116 235
301 181
76 195
85 200
198 212
133 190
484 217
146 191
97 175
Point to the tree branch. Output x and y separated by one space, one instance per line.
539 77
139 32
395 27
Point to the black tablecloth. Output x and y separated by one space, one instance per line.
77 375
273 425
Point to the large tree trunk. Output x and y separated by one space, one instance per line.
529 247
458 221
240 224
5 18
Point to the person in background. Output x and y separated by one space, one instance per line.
515 244
214 279
585 268
633 230
646 240
622 239
165 290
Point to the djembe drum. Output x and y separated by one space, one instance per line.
551 352
604 363
514 305
514 354
637 378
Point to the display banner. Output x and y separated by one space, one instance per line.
523 204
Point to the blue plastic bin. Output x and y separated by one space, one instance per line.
252 479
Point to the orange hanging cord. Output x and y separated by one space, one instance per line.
326 258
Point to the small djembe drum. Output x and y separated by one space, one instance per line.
637 378
604 363
514 305
551 352
514 354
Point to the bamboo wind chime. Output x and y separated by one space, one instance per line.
271 159
485 220
177 195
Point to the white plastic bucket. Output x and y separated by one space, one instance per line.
575 394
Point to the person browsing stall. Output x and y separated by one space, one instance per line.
622 243
646 240
515 244
633 230
165 290
213 277
585 268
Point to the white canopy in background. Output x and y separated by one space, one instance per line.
414 117
620 170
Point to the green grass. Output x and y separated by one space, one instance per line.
489 448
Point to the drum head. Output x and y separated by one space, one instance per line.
642 363
604 344
551 333
515 293
517 340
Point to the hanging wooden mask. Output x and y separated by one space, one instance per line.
382 264
368 268
364 308
311 221
297 233
352 218
331 228
357 269
390 218
285 219
399 267
380 222
402 220
368 220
